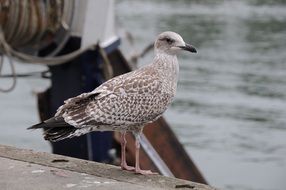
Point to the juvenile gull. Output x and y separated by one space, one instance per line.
124 103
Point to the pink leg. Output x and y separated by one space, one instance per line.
124 165
137 163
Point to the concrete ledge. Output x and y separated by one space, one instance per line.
26 169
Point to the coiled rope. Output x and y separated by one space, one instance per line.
30 25
26 26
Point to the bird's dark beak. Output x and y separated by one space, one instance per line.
189 48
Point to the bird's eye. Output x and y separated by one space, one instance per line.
169 40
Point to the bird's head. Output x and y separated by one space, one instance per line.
171 43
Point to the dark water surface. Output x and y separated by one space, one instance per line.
230 109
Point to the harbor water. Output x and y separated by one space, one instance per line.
230 107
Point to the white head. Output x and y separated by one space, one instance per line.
171 43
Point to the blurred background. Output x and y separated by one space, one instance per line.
230 108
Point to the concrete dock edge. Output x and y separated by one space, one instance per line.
14 159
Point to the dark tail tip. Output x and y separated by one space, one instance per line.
38 126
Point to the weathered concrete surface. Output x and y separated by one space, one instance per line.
18 175
29 170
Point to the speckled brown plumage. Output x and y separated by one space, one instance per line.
126 102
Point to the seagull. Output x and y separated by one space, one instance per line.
125 103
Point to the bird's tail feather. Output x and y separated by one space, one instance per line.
37 126
51 123
55 129
57 134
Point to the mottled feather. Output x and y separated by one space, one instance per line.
124 103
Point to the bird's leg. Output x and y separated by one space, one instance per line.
137 163
124 165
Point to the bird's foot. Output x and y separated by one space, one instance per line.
126 167
145 172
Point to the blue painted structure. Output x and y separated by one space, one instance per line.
82 74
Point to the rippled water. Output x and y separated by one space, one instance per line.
230 109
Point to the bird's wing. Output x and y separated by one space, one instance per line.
122 100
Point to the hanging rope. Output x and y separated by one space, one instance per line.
40 60
14 78
30 25
27 26
107 67
12 67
